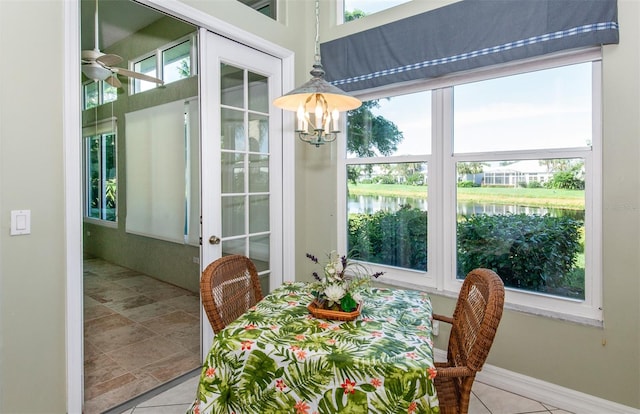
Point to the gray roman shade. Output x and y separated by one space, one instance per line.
466 35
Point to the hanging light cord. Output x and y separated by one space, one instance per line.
317 56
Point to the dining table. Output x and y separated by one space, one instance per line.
278 358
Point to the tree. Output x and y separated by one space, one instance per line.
568 173
368 132
471 167
353 15
353 172
571 179
554 165
184 70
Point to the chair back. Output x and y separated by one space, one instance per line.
229 287
475 319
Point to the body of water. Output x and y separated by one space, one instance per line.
371 204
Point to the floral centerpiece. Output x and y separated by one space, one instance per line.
341 283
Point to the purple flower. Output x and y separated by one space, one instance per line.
377 274
343 259
316 277
312 258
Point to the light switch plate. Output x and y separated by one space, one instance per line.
20 222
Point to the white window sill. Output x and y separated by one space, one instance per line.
582 318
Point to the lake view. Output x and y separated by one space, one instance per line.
369 204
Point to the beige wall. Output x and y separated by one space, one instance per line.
32 273
32 267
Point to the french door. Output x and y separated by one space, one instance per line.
241 164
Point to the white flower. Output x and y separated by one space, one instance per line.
334 293
336 282
330 274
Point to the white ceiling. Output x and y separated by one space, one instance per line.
117 19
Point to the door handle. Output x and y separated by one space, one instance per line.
214 240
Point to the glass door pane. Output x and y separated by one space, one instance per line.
244 161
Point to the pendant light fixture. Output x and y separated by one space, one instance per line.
317 103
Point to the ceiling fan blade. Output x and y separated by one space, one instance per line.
132 74
90 55
109 60
113 81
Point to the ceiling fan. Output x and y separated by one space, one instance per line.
101 66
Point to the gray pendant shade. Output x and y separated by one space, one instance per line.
303 95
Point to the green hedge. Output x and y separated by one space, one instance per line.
527 251
396 239
531 252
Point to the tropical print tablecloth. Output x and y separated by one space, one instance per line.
277 358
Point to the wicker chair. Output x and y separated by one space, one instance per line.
473 327
229 287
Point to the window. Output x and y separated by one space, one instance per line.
170 63
494 169
176 61
146 66
266 7
98 93
387 173
101 183
357 9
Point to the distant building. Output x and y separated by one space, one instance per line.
526 171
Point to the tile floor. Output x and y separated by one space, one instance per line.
139 333
485 400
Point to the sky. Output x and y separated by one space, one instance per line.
535 110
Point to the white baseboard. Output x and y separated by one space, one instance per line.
546 392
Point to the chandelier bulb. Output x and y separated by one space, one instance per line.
300 116
319 114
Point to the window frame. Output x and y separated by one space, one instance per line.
100 85
163 63
134 82
440 277
158 54
86 148
341 4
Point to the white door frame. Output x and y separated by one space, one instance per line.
73 171
73 207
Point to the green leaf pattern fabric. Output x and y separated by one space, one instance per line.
277 358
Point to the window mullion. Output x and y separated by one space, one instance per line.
103 177
87 176
159 64
593 199
447 185
193 55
